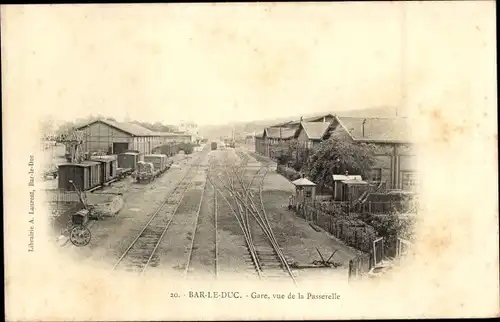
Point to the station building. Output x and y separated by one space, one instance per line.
111 137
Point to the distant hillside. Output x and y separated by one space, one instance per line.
242 128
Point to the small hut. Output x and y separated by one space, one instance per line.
338 184
305 191
353 189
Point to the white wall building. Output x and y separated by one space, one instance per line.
190 128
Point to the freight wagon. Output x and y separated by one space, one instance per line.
84 175
152 166
96 178
167 149
128 160
213 145
159 161
109 165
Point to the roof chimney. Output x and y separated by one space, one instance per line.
363 128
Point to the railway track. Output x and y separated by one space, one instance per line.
140 253
264 252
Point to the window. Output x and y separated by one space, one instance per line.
376 175
409 180
308 193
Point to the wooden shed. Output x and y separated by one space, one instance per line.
337 184
109 164
305 191
353 189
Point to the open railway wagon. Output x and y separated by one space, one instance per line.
152 166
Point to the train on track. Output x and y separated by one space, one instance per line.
98 171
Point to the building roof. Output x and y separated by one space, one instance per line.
279 132
314 118
89 162
130 128
103 158
342 177
303 182
389 130
176 134
315 130
354 182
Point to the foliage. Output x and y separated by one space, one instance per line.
337 155
186 147
289 173
282 155
390 226
157 127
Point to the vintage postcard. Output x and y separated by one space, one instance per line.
250 161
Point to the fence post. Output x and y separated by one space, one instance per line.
369 206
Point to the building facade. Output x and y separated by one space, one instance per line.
111 137
395 154
190 129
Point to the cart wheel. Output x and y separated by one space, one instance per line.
80 236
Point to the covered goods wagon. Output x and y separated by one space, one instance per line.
128 160
96 178
80 174
109 165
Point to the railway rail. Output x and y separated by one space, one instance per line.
139 254
266 255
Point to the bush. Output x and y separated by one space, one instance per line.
186 147
288 173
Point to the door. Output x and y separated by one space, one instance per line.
120 148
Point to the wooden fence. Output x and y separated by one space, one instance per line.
359 266
57 195
352 232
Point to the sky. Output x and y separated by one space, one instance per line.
213 64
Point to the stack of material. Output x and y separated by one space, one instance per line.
158 160
145 167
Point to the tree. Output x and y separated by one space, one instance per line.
46 126
337 155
